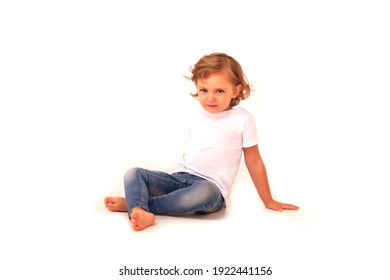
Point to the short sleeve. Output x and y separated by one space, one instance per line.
249 133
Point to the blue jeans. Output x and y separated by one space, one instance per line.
161 193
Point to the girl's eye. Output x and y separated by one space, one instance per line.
202 90
220 91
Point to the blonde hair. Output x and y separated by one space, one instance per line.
220 62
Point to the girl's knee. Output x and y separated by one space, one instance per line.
132 173
210 189
204 197
203 193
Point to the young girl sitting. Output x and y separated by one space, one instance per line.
219 134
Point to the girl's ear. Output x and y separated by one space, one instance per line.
238 90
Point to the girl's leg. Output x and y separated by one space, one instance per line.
197 196
152 192
162 193
142 184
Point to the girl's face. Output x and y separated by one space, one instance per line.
215 92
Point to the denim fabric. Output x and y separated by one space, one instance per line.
179 193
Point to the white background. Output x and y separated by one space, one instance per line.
89 89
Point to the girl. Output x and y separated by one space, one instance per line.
219 134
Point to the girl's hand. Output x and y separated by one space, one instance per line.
278 206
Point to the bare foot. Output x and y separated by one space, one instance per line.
141 219
115 204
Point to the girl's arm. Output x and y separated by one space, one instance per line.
257 171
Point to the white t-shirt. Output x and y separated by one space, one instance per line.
215 146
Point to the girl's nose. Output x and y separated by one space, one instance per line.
211 96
